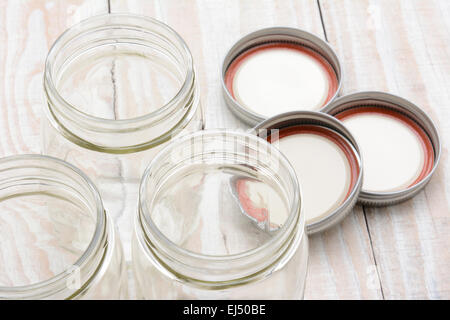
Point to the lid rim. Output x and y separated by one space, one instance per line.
406 108
294 118
261 36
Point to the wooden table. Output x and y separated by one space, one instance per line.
402 47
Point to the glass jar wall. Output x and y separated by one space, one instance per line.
118 87
220 218
57 241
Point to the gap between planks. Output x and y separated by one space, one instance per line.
363 207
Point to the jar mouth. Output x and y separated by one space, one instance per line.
42 173
139 26
159 242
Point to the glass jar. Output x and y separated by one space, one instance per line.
220 218
118 87
57 240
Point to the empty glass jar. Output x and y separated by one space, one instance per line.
57 241
118 87
220 218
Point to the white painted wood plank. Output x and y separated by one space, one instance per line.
403 47
27 30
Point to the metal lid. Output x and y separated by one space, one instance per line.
275 35
324 121
397 107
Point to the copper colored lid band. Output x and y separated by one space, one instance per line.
425 142
237 62
260 214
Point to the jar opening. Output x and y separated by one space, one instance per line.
107 63
119 80
51 222
200 221
120 83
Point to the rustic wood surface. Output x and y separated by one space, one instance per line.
403 47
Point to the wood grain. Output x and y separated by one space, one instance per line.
341 262
27 30
403 47
397 46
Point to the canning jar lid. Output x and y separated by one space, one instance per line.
326 159
399 144
298 69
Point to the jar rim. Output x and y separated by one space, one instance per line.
118 124
59 280
295 218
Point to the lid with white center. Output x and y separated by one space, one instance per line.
326 160
399 144
277 70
